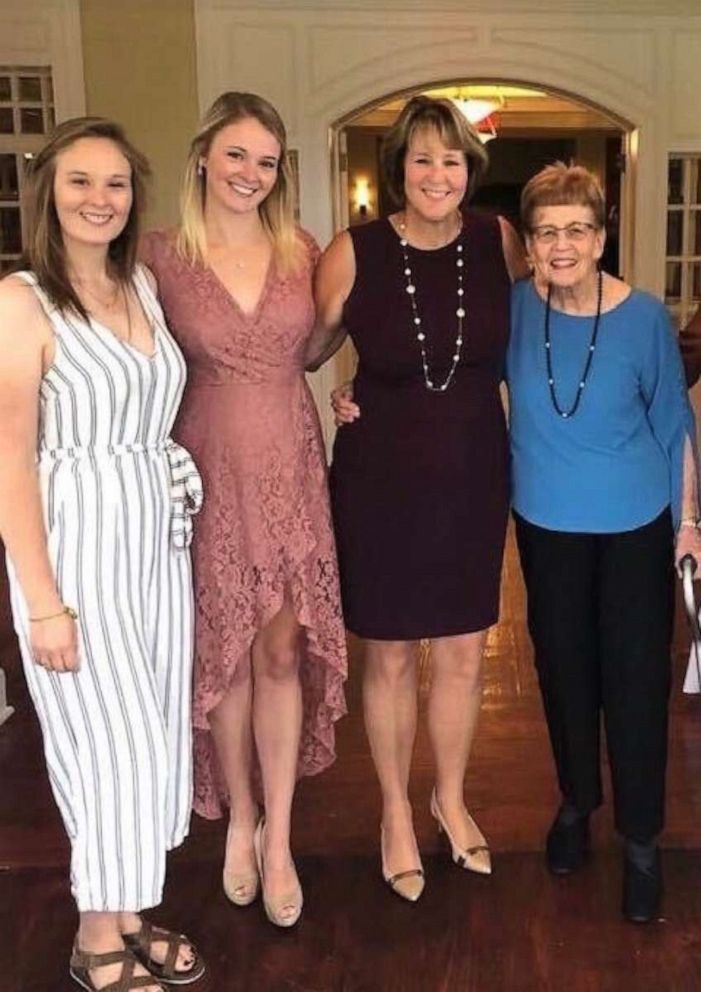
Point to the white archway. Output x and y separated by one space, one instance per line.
626 126
343 364
331 59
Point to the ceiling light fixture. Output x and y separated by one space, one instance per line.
476 110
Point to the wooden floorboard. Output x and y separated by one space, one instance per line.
520 930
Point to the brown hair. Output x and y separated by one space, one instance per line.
559 185
276 211
44 252
455 132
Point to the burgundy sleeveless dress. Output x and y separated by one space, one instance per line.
419 482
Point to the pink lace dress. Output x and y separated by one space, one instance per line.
250 422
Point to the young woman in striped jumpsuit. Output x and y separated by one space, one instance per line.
94 513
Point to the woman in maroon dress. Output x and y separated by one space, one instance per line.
235 283
420 481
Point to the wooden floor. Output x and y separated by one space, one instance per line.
519 930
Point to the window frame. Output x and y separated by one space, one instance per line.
22 145
683 305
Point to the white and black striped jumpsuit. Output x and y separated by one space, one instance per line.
117 734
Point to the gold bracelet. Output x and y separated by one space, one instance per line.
67 611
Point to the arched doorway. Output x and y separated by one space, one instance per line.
528 125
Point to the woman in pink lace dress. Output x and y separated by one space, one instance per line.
235 283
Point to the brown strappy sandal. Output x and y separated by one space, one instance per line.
82 964
140 945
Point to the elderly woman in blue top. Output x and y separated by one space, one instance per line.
603 479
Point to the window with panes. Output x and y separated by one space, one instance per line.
683 256
26 117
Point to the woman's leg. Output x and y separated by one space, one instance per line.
560 571
390 704
277 726
230 723
453 707
637 611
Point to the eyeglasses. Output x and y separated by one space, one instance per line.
547 234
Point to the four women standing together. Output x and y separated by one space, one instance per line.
98 555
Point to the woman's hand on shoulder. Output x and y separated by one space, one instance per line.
514 252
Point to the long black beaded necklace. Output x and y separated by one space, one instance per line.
590 352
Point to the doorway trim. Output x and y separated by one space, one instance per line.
630 132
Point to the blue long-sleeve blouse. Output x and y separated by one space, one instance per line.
618 461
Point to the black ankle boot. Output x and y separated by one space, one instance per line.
642 882
567 843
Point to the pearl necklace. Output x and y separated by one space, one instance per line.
418 325
590 352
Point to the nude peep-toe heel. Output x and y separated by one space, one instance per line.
407 884
476 858
286 911
240 887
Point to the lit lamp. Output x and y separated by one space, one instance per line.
362 195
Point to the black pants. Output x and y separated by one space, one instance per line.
600 614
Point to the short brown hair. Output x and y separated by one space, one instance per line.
44 252
276 211
455 132
559 185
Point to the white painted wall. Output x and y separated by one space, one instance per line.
318 61
46 32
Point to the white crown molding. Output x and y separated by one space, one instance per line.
661 8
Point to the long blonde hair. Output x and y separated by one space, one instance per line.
276 211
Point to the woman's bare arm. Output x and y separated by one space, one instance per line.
27 347
514 252
334 278
688 540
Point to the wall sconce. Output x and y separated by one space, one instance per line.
362 195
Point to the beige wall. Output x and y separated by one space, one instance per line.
140 69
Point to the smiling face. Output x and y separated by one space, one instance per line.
435 177
241 165
92 191
565 258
